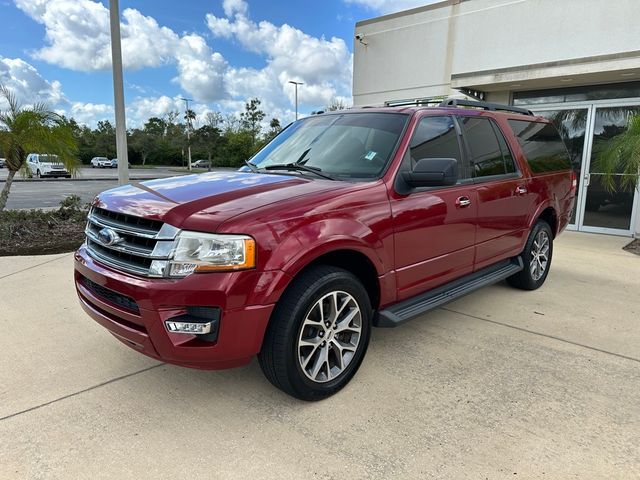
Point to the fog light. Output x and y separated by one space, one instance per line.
188 327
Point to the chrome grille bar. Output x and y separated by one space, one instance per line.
138 241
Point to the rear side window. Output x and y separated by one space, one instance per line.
542 146
489 150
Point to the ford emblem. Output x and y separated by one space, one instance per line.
108 237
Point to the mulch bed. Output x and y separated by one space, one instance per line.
37 232
633 247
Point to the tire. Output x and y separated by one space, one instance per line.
300 354
537 255
38 174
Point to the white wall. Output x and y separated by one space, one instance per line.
415 54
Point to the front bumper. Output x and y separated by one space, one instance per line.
246 300
54 173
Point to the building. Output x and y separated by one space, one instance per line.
575 61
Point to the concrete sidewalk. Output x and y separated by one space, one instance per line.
501 384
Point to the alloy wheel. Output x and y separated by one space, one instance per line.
329 336
539 255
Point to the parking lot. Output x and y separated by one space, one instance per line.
88 182
500 384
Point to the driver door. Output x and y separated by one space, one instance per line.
434 227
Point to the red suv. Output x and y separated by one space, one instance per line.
345 221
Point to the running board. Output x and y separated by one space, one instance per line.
420 304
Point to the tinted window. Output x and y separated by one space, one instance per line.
436 137
541 145
355 145
487 153
509 163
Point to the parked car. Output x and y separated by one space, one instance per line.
200 164
45 165
345 221
3 163
101 162
114 163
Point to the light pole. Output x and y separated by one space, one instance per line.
188 118
118 94
296 84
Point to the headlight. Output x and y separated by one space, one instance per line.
207 252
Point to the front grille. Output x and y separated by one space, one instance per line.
116 298
136 242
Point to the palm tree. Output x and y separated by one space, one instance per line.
621 157
24 130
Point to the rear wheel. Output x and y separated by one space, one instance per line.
536 256
318 334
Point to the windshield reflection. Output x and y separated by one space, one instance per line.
354 145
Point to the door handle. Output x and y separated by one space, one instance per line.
587 179
462 202
520 190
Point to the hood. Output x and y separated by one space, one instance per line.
211 197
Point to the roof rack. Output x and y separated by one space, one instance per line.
419 102
456 102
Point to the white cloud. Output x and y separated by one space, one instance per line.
90 113
27 84
324 66
200 70
77 38
232 7
390 6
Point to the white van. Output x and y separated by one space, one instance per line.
46 165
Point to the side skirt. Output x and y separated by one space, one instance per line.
420 304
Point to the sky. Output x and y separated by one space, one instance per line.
219 53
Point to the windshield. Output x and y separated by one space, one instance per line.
48 158
353 145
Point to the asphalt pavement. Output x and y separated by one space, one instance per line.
502 384
47 193
87 173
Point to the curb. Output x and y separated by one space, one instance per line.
16 180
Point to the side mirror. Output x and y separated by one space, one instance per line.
432 172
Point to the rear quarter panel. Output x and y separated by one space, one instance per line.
551 189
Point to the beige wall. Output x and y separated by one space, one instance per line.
495 45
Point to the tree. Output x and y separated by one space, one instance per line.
621 155
274 129
32 129
190 117
251 117
213 119
105 139
207 138
336 104
144 143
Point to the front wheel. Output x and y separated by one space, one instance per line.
38 174
318 334
536 257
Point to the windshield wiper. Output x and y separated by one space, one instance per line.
299 167
253 168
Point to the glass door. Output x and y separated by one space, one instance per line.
573 124
604 211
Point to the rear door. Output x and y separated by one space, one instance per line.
434 227
505 200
